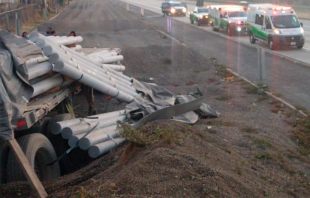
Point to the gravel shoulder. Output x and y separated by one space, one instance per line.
257 147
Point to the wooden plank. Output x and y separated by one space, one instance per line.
27 169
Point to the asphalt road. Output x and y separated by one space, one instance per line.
283 77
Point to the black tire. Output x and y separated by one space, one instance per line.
214 29
300 46
4 153
271 44
229 31
251 37
39 151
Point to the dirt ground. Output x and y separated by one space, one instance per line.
257 147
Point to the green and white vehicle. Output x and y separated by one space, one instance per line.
200 15
231 18
275 25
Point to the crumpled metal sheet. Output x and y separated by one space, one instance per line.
156 102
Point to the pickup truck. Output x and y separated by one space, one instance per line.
200 15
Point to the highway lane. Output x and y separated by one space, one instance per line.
283 77
301 55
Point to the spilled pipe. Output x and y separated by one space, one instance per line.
57 127
67 132
104 147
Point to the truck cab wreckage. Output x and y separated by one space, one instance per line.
37 79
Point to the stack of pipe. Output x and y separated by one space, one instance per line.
97 134
33 71
105 56
83 69
66 40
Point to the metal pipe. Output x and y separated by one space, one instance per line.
95 73
75 138
38 69
35 61
57 127
96 138
77 74
67 132
104 147
47 84
108 59
34 36
118 68
49 48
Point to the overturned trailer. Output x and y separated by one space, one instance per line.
37 79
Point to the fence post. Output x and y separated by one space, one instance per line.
17 24
261 62
7 23
142 13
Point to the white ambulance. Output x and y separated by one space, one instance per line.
274 24
231 18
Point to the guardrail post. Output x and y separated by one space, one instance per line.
261 62
17 24
142 13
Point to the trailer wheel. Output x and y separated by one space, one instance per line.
229 31
4 153
40 152
251 37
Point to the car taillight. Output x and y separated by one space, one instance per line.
21 123
239 22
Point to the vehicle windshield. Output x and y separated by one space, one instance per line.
285 21
201 10
176 4
237 14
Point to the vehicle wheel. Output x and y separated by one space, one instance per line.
229 31
39 151
251 37
300 46
4 153
271 44
192 22
215 29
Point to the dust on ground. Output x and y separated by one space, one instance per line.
253 149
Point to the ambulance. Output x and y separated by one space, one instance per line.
231 18
275 25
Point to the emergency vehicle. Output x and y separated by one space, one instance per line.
275 25
231 18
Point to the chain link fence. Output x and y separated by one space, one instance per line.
15 15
